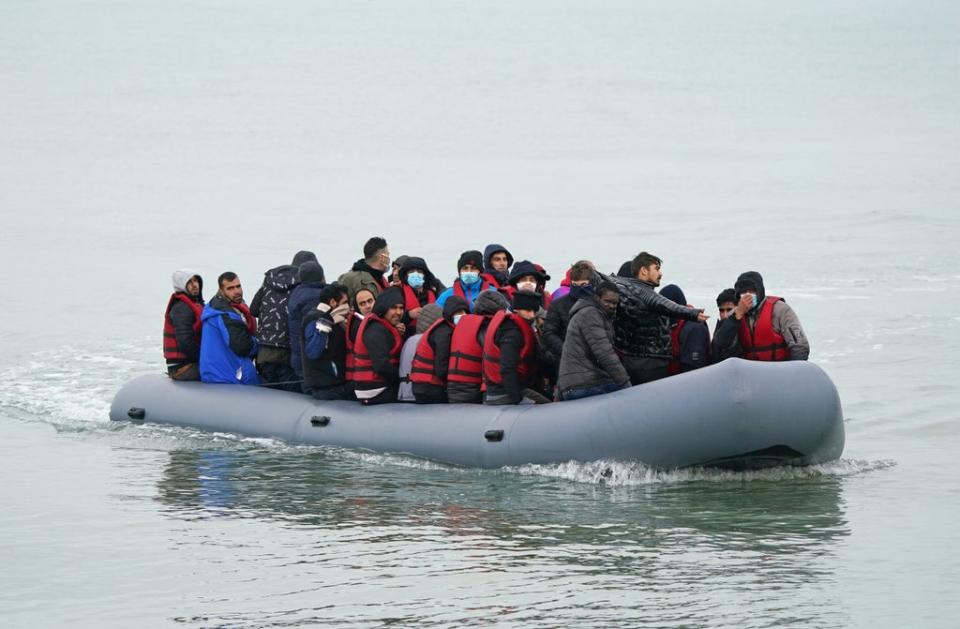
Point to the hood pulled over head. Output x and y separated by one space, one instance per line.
182 276
453 305
674 293
751 280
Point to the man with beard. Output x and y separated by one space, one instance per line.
228 342
642 324
376 353
181 326
589 365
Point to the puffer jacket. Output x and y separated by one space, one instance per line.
642 325
588 357
269 306
302 299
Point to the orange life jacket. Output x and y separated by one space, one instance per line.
491 351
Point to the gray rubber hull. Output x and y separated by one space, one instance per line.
738 414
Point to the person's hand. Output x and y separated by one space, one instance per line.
743 306
340 313
402 329
414 313
703 316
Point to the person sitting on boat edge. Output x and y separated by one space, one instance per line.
465 369
431 361
468 283
417 282
726 302
497 261
369 271
589 365
428 314
228 340
510 353
689 341
525 275
182 325
763 327
376 353
310 283
642 326
323 345
269 306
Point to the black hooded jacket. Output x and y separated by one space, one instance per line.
269 305
642 324
500 276
379 340
182 318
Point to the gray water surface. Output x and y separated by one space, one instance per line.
817 143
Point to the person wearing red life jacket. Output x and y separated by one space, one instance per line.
416 282
228 340
431 361
181 326
428 315
376 351
469 284
465 369
361 305
763 327
689 340
510 353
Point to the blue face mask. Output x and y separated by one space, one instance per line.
415 280
755 302
456 319
469 277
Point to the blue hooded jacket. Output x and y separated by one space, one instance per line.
470 293
218 363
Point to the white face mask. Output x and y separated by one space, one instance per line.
456 319
530 286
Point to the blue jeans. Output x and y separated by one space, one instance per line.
581 392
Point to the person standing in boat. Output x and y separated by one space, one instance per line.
589 365
431 360
763 327
269 306
417 283
323 345
428 315
369 272
510 351
310 283
376 353
642 326
689 341
228 341
465 370
182 324
469 284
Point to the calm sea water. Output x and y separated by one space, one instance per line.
816 143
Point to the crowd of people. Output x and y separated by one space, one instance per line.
392 332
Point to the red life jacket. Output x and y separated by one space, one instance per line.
763 342
491 351
411 301
458 288
362 362
466 353
171 351
351 338
422 369
673 367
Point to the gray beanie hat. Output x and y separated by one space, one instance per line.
428 314
490 302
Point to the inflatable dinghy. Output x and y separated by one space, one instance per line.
737 414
